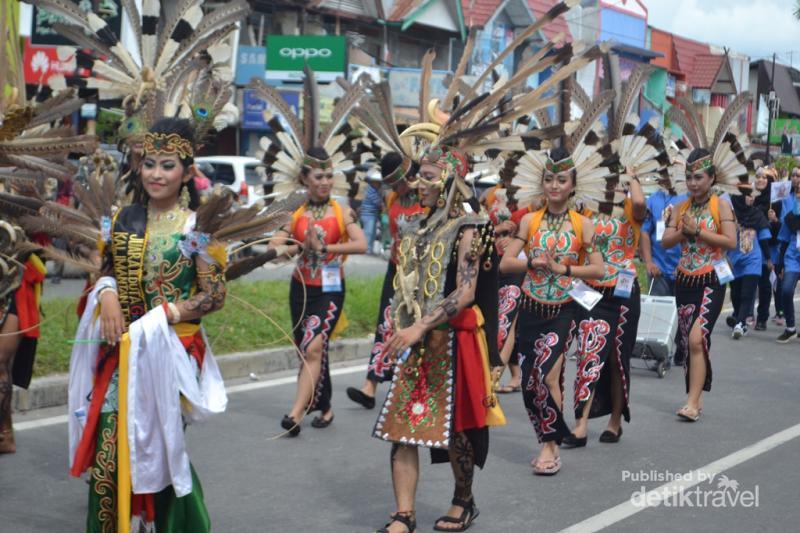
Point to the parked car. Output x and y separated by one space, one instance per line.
243 175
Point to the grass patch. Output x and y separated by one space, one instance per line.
237 328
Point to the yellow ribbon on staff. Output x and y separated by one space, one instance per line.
123 450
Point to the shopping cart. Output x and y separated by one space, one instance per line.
655 338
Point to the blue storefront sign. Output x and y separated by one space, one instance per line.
254 107
250 62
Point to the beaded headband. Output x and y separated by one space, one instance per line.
447 159
313 162
702 164
556 167
167 144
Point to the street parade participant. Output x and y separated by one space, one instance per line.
445 309
607 332
789 259
556 240
399 174
748 258
705 228
322 233
399 164
772 211
33 151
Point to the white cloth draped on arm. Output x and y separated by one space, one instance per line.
82 365
159 373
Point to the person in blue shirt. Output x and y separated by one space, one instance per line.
660 262
789 260
766 291
370 211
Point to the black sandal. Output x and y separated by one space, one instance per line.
406 518
468 516
290 425
320 422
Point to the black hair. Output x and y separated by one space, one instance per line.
558 154
699 153
389 163
184 128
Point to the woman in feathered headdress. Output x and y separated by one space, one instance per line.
302 156
607 332
556 240
705 228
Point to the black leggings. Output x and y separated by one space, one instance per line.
765 294
743 297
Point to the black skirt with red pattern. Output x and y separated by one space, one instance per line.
315 313
699 300
381 368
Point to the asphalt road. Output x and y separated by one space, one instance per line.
337 479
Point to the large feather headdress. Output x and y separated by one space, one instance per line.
178 67
728 148
285 151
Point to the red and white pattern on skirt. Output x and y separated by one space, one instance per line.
508 296
310 326
623 319
591 341
685 325
380 360
547 416
685 315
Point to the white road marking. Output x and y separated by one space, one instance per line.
627 509
244 387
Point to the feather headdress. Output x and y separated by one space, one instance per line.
285 150
177 66
728 148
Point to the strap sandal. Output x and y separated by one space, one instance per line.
688 414
406 518
550 467
509 389
468 516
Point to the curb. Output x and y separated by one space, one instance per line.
51 391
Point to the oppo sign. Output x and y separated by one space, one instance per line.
306 53
287 55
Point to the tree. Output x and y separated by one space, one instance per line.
797 9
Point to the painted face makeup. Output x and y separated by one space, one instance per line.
430 184
162 177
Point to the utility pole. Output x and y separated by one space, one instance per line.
770 102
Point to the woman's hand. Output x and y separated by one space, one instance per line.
772 216
653 270
404 338
689 224
312 242
502 243
112 325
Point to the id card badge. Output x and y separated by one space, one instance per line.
586 296
723 270
80 416
661 226
331 277
624 287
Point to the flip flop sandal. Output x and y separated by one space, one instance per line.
553 467
508 389
689 414
468 516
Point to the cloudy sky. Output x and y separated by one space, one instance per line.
754 27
